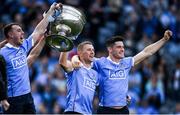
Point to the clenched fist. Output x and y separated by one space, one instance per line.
55 6
167 34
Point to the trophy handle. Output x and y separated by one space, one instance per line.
60 43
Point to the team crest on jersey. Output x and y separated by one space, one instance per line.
89 84
20 52
122 65
120 74
19 62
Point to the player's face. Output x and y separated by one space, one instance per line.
88 52
17 35
118 50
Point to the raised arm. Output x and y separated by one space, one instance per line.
42 25
35 51
153 48
64 62
3 43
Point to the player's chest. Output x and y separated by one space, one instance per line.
115 72
16 59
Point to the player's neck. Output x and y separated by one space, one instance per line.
13 44
114 59
86 64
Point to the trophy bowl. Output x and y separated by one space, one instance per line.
65 28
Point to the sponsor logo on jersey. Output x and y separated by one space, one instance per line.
89 84
19 62
120 74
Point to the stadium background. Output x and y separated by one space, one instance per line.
154 85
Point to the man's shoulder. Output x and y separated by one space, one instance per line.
4 47
2 50
127 58
100 59
128 61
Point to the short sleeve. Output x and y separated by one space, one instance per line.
96 64
28 43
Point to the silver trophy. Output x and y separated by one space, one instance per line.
65 28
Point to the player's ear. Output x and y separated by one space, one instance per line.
109 49
10 35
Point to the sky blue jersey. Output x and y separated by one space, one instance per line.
17 69
81 85
113 84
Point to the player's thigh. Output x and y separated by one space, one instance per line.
29 107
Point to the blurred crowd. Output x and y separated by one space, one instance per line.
154 85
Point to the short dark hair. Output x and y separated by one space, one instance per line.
81 45
110 42
8 28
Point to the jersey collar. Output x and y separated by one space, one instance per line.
11 46
112 60
88 68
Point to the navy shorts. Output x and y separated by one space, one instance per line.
108 110
23 104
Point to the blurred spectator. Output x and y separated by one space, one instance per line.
135 80
145 108
155 92
36 96
176 82
177 109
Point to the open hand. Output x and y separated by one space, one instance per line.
54 7
128 99
5 104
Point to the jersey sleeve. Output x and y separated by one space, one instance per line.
28 43
96 64
129 61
